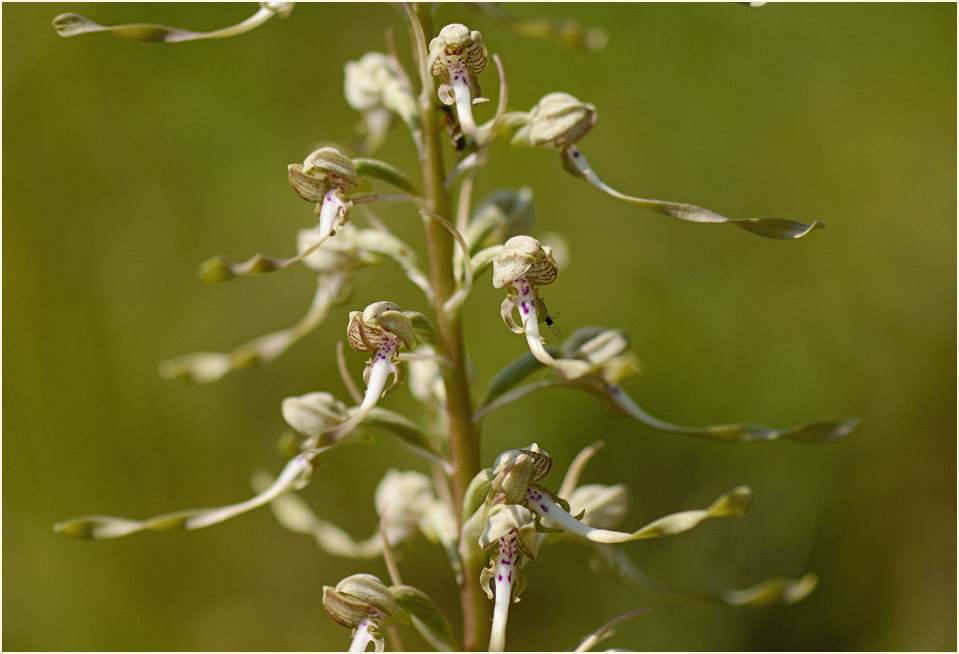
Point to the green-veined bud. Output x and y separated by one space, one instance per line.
605 506
358 598
523 256
377 324
314 413
557 120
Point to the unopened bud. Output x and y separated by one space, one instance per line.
515 470
358 598
314 413
558 119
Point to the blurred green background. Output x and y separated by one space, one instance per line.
127 164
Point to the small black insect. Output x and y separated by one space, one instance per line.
550 320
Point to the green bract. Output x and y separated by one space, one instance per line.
487 524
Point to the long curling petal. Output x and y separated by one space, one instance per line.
99 527
733 503
777 228
74 24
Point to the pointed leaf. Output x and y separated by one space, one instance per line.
403 428
514 373
427 618
385 172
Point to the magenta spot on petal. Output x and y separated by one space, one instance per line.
509 577
575 153
499 578
543 506
504 562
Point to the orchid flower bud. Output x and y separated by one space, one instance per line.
556 121
314 413
373 81
363 603
456 56
401 499
514 471
373 86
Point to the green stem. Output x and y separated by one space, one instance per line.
463 435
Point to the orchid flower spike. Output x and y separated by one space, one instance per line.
456 56
364 604
559 120
521 268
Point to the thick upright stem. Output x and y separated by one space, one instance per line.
463 437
